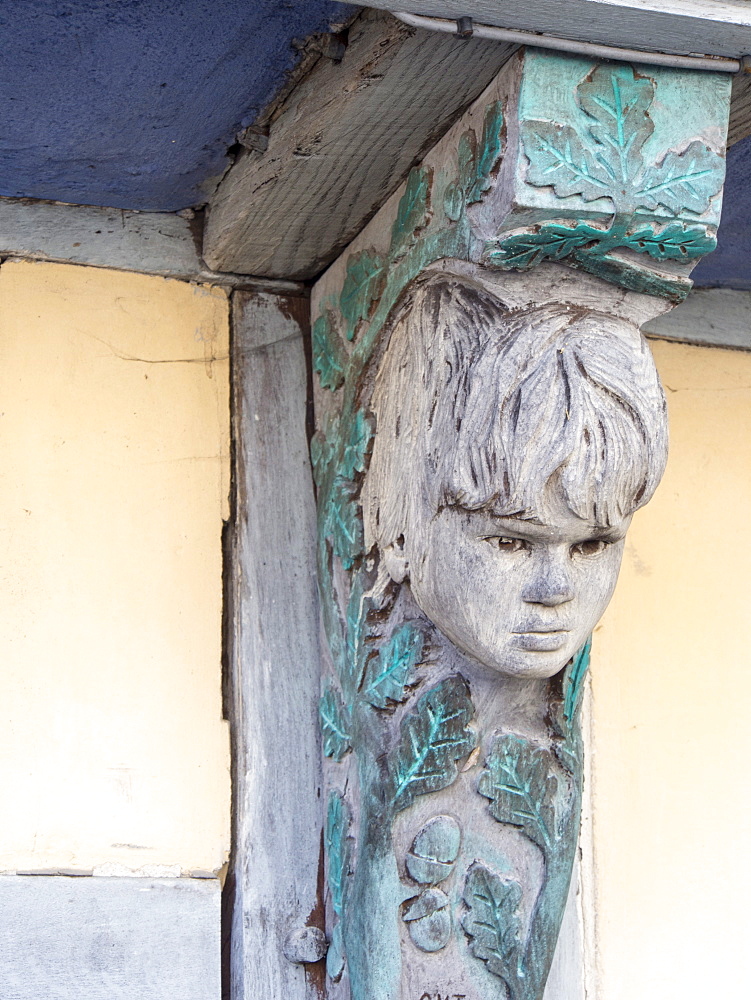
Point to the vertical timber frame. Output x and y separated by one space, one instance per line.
574 196
272 907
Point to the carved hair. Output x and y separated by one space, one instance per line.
484 408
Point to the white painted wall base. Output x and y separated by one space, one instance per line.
109 938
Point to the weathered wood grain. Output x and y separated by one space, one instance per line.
714 27
149 242
109 938
274 671
713 317
344 141
739 125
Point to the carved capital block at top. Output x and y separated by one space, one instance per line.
488 419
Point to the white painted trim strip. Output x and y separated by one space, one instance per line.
712 317
158 243
714 64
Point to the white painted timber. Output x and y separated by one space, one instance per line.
712 27
109 938
274 673
713 317
340 144
149 242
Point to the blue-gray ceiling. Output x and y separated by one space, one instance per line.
133 103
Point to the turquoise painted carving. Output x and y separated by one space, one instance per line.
392 670
433 738
602 156
450 710
335 725
434 850
492 923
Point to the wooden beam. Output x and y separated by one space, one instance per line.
274 662
713 27
159 243
739 125
341 143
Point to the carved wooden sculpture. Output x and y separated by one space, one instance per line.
488 420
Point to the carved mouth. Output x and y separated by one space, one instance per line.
541 640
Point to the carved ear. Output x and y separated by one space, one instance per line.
395 560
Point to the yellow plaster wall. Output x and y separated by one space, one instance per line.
113 484
672 707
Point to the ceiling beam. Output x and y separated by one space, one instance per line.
341 142
713 27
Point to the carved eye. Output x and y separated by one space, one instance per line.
506 544
591 547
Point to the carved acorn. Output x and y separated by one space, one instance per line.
434 850
429 920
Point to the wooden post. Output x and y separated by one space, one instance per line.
488 419
274 663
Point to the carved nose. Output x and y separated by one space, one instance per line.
551 586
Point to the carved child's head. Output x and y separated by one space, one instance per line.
511 449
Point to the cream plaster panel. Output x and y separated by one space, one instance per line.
671 707
114 426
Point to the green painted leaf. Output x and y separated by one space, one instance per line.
358 607
453 202
550 242
492 923
328 357
489 152
335 954
335 725
674 242
521 782
432 738
359 433
573 682
343 521
687 180
391 671
559 159
467 158
413 207
363 285
338 849
616 102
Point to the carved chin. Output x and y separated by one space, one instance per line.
535 656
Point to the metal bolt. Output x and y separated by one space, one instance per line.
305 945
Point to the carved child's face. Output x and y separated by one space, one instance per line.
520 596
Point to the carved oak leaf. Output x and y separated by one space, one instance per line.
390 672
432 738
573 683
616 102
552 241
413 207
335 725
363 285
559 159
492 923
328 357
674 242
342 521
489 153
687 180
338 849
521 782
356 443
